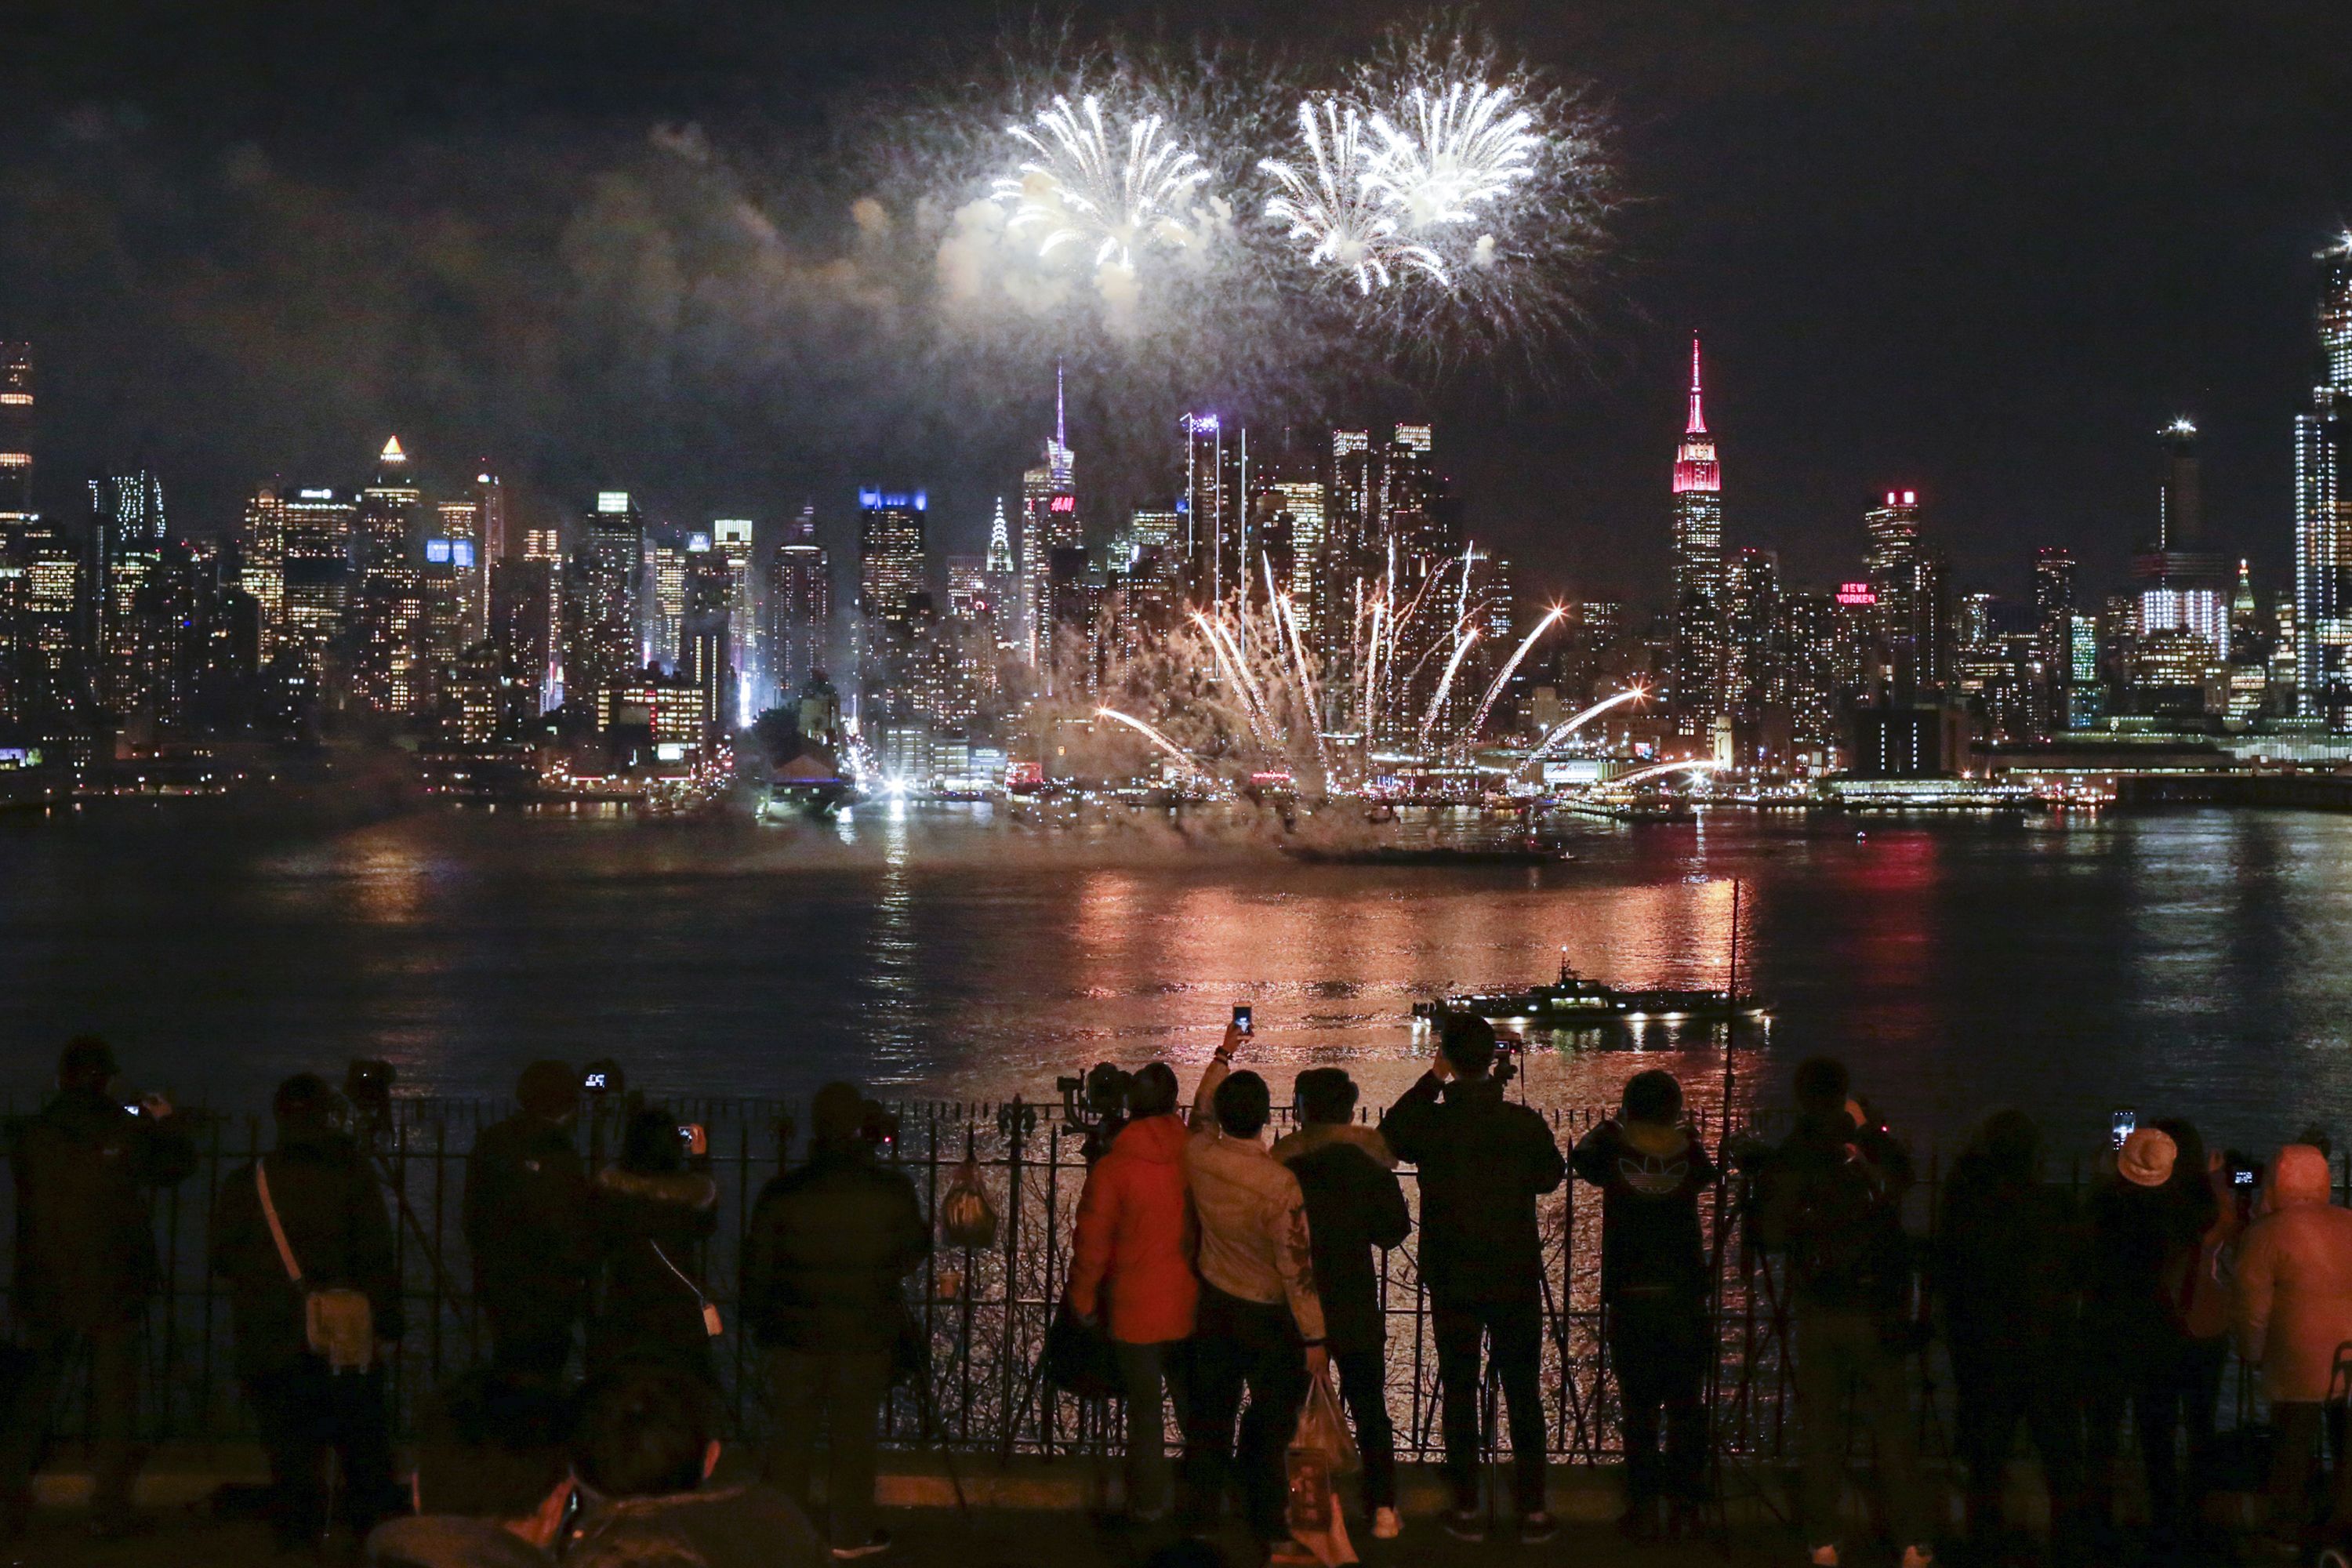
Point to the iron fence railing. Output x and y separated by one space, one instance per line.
984 1312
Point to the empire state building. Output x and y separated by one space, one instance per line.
1695 695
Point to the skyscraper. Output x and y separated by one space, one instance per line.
602 599
1049 522
1697 586
318 524
890 593
799 609
126 523
731 539
15 435
2322 531
2053 623
2184 587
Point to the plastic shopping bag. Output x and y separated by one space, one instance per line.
1320 1450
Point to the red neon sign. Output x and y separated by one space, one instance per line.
1063 503
1856 594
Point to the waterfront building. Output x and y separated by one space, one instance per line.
602 599
16 437
890 583
799 632
128 528
316 565
525 625
2184 587
1694 599
2323 519
1049 522
732 540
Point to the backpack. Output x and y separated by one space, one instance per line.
1839 1224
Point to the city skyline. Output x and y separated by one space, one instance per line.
1927 291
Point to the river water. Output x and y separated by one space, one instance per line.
2195 964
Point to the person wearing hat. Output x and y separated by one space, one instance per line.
526 1223
85 1266
824 1260
2138 1353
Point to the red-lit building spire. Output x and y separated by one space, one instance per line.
1697 425
1695 467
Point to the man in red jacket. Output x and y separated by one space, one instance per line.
1133 1271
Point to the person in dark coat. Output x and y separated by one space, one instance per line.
1484 1161
2155 1208
85 1266
2008 1267
1355 1205
644 1451
1653 1291
493 1481
1829 1198
526 1225
650 1213
824 1260
332 1212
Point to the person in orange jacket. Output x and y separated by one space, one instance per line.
1133 1273
2294 1309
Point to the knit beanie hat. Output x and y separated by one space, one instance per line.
2146 1157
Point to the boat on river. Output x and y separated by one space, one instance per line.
1576 1002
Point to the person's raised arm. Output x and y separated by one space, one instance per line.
1220 1067
2257 1289
1406 1123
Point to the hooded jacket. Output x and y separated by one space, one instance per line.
648 1225
1133 1255
84 1244
2008 1262
526 1216
2294 1280
1484 1161
333 1213
1354 1204
451 1540
1650 1179
827 1252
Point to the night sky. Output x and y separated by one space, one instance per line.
1979 249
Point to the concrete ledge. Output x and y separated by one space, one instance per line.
178 1476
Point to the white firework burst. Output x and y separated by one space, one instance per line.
1333 206
1114 195
1460 147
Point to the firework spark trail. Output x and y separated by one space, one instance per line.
1241 671
1460 147
1631 694
1233 672
1156 738
1338 208
1486 703
1371 665
1306 691
1078 189
1446 684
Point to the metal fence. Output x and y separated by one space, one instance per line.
983 1314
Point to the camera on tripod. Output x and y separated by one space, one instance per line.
1097 1104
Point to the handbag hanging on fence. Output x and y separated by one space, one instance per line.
338 1322
1079 1357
